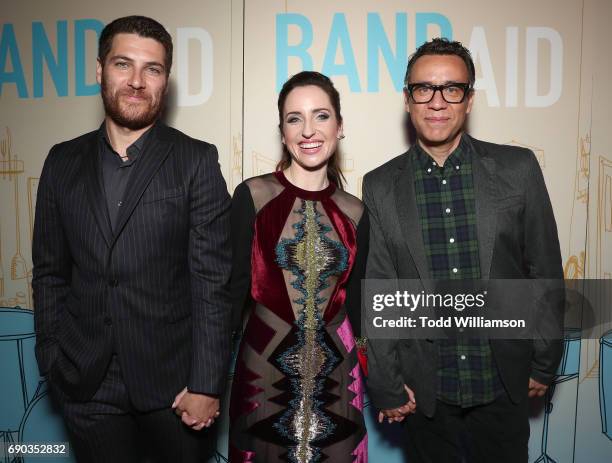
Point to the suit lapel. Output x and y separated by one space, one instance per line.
92 176
485 194
155 151
408 216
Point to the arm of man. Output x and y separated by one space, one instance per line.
385 383
542 256
52 267
210 266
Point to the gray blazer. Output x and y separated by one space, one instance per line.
517 238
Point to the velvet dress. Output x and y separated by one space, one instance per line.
297 393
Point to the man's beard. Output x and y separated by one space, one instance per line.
133 117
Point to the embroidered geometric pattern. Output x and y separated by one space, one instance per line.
312 258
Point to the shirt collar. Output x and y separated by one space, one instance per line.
135 148
460 155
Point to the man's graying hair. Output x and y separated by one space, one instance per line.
443 46
140 25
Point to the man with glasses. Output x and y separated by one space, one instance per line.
456 208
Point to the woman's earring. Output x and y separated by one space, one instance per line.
340 137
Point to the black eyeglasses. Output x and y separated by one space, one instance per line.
451 93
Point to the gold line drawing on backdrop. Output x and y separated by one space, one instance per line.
1 265
5 152
539 152
12 167
604 217
236 162
19 268
574 267
593 370
9 166
348 164
581 196
606 194
348 167
582 171
603 248
32 191
262 164
18 301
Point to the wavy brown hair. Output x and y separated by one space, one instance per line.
302 79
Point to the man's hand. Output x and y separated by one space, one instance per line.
196 410
536 389
398 414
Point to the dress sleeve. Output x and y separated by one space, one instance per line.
353 288
242 226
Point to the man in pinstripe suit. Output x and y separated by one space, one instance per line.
131 264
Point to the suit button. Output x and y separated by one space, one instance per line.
113 283
108 321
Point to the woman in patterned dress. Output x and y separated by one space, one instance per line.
297 394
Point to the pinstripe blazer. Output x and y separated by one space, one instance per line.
155 292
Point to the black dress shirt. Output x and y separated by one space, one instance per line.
116 172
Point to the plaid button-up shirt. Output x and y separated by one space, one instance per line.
467 374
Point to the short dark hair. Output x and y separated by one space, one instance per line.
443 46
303 79
141 25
